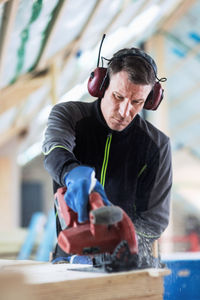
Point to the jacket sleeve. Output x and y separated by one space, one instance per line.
59 140
153 219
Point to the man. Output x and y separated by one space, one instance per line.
108 147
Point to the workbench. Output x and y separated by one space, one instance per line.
22 280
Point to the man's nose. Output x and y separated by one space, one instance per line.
124 109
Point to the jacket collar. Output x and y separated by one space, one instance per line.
101 119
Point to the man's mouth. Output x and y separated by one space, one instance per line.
121 121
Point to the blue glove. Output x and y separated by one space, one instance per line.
80 182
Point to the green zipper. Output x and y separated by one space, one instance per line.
142 170
105 160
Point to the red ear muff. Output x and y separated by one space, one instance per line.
97 82
155 97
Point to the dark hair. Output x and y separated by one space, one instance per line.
140 67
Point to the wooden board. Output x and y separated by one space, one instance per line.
47 281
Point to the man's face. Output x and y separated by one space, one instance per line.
122 101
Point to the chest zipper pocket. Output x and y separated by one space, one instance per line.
106 158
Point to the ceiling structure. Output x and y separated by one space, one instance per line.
49 47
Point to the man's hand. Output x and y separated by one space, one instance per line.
80 182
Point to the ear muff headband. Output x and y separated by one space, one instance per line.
138 53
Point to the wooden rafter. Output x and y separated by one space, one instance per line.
177 13
156 45
3 1
68 51
50 35
25 85
10 133
77 41
124 5
136 12
21 123
165 26
54 73
22 88
74 46
9 15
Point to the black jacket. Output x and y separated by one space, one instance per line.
134 165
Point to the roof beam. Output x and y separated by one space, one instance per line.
10 133
156 45
15 94
67 52
54 74
27 84
177 13
125 6
21 124
9 15
75 43
3 1
50 34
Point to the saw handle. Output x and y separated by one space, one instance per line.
67 217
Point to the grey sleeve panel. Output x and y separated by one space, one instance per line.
152 222
61 125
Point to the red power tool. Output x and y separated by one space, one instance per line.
109 231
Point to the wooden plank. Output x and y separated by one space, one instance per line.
117 286
47 281
12 287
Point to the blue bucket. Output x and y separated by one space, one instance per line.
184 281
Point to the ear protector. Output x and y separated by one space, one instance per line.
99 80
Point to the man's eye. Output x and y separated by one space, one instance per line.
135 102
118 97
